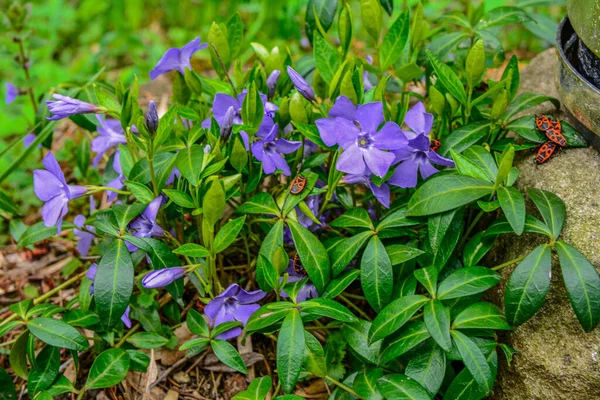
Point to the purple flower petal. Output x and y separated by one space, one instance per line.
328 129
390 137
351 161
418 120
286 146
381 193
370 116
347 132
426 169
435 158
343 108
405 175
378 161
46 185
280 163
11 92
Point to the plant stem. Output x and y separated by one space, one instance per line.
469 229
355 307
508 263
26 70
344 387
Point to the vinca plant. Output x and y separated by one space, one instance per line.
336 208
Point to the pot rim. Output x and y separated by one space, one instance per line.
563 56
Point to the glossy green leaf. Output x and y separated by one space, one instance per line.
125 213
192 250
339 284
428 278
402 387
312 254
48 363
345 251
365 383
18 355
147 340
327 308
57 333
357 336
410 336
513 204
464 386
195 344
376 274
482 157
428 367
228 355
475 64
325 13
180 198
395 315
462 138
108 369
400 253
448 78
477 247
7 385
582 283
446 192
140 191
38 232
551 207
261 203
474 361
354 218
257 390
437 321
196 323
532 225
481 315
397 219
528 285
372 18
228 233
527 100
314 356
467 281
113 284
290 350
138 361
394 41
327 58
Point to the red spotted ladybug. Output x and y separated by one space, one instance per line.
435 145
298 185
545 151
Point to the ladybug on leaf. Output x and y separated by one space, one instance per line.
553 130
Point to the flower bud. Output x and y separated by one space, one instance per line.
227 123
272 82
301 85
152 118
162 277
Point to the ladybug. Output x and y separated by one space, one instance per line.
545 151
298 267
554 133
542 122
298 185
435 145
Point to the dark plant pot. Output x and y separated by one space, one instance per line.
579 95
585 17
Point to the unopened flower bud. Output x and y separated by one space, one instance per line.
162 277
152 118
227 123
272 82
301 85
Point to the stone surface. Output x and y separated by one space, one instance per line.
556 359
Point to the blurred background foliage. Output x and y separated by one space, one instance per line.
68 41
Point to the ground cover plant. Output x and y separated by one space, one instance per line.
340 223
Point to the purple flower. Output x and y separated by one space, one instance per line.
366 82
234 304
417 157
227 123
177 59
364 144
110 134
172 175
272 82
145 225
381 193
116 183
152 117
308 291
11 92
125 317
162 277
50 186
85 237
329 127
91 275
269 151
221 110
301 85
64 107
29 138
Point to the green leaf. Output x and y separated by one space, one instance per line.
108 369
325 12
180 198
365 383
437 227
290 350
428 367
466 167
357 337
372 18
57 333
448 78
482 157
312 255
401 387
376 274
140 191
582 283
411 335
551 207
235 34
464 137
7 385
513 204
532 225
293 200
394 41
138 361
397 219
125 213
474 360
477 247
189 162
444 44
8 205
446 192
464 386
502 16
38 232
467 281
475 64
327 58
437 321
527 100
266 316
196 323
228 233
48 363
505 164
261 203
257 390
528 285
481 316
311 132
525 127
512 77
572 136
228 355
428 278
21 308
195 344
192 250
213 203
77 317
400 253
339 284
18 355
343 253
354 218
395 315
327 308
147 340
113 284
314 357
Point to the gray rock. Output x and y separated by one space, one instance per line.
556 359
